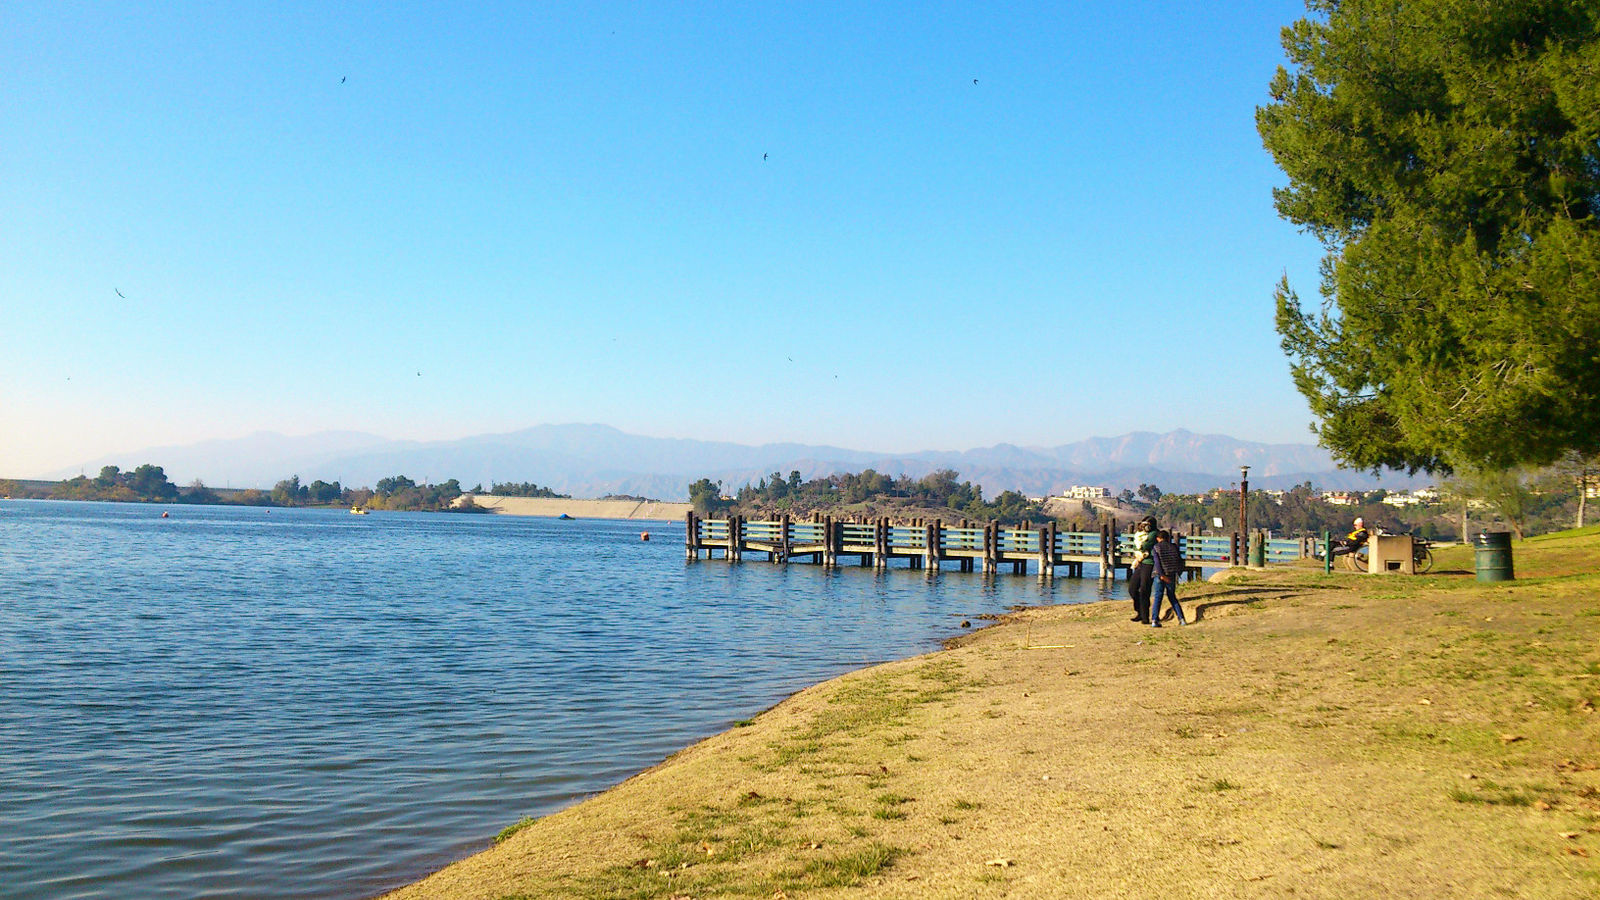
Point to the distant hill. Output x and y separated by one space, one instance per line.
595 460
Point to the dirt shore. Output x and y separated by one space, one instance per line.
1308 735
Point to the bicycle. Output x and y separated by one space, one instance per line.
1421 554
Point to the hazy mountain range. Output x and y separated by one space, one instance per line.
594 460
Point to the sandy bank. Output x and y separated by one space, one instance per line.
583 509
1311 735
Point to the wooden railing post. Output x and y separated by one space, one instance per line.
1109 552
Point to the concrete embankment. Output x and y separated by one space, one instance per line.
582 509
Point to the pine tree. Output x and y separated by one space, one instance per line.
1447 153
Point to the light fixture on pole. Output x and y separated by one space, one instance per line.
1244 508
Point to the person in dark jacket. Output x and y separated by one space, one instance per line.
1169 564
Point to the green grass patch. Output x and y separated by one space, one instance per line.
866 705
742 851
513 828
848 869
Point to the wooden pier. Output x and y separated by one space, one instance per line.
928 544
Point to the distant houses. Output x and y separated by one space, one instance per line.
1426 496
1420 497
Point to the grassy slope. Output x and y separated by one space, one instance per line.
1311 735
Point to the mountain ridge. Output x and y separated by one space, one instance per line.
595 459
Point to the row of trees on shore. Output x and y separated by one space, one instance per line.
841 492
149 484
1528 502
1522 501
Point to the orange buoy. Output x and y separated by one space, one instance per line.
644 535
163 515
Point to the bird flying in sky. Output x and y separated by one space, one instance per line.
119 293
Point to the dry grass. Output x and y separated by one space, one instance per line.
1311 735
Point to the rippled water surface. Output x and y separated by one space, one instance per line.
238 702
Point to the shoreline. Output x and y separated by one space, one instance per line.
546 507
1063 750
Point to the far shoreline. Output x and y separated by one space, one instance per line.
555 508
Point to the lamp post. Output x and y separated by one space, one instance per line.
1244 509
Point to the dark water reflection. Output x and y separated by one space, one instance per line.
252 703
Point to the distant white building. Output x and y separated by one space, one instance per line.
1276 495
1402 499
1341 498
1082 492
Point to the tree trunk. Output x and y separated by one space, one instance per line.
1583 493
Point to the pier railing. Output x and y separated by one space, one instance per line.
926 543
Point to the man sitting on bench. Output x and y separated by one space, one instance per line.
1353 541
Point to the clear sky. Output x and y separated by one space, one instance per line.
883 226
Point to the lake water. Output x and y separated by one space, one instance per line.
239 702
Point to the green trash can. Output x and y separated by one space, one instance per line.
1257 554
1492 554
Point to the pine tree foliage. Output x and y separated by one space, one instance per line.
1447 153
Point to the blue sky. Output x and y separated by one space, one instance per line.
562 213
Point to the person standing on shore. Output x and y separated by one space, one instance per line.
1169 564
1140 572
